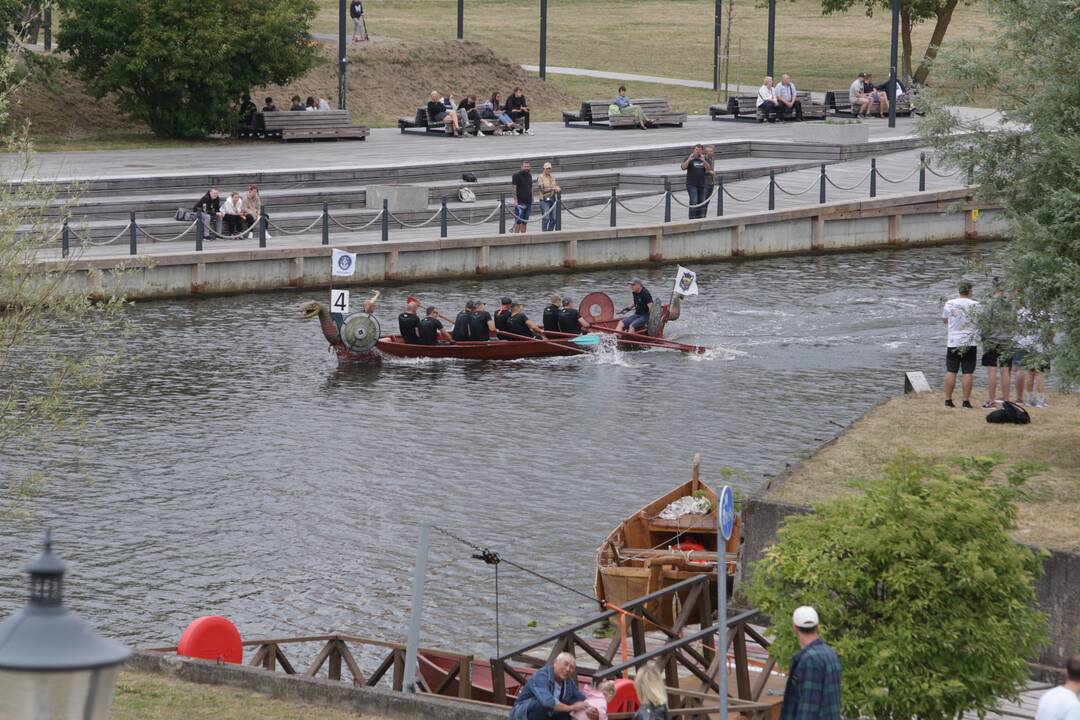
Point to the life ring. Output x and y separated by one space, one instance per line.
211 637
597 307
687 546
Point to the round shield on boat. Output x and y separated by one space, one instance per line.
597 307
360 332
654 318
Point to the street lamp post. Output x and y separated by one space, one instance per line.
893 61
53 665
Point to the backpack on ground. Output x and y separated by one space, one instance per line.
1009 412
466 195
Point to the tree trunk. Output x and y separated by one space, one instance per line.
905 27
944 16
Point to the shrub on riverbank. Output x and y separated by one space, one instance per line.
920 589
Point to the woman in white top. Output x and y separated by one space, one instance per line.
766 101
233 210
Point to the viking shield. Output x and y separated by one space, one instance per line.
360 332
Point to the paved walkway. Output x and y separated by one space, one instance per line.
794 189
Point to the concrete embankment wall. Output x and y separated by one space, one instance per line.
315 691
1057 592
897 221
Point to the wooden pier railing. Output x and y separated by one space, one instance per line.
336 653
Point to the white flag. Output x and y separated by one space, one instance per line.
343 264
686 282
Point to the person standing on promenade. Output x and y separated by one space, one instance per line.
1062 702
813 683
959 317
356 12
710 178
549 191
522 181
553 692
696 169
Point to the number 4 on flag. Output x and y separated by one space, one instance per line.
339 301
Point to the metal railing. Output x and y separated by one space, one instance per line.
203 229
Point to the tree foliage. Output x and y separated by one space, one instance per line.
54 345
1030 162
920 590
912 12
182 68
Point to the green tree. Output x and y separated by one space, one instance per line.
182 68
912 12
54 345
1029 161
920 590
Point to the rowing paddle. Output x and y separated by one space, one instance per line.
649 340
546 342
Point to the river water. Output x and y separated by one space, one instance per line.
232 468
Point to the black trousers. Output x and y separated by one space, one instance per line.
782 110
768 108
520 116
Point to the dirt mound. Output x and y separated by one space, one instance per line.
391 79
385 80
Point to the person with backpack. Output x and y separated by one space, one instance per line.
356 12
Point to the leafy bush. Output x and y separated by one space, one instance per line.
920 590
183 68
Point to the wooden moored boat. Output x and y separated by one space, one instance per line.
646 552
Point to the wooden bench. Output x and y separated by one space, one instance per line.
315 125
420 122
595 112
744 107
839 101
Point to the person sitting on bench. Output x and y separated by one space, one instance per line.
497 112
766 101
787 99
518 109
628 108
437 113
860 101
875 95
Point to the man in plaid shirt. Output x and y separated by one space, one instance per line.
813 684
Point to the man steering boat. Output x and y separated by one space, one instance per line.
641 306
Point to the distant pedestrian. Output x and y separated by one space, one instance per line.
356 12
961 339
523 196
697 169
549 193
813 683
1062 702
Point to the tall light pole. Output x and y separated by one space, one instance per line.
342 60
892 62
543 39
460 19
53 666
772 39
716 46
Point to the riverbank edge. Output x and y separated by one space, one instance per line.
313 691
899 221
1056 591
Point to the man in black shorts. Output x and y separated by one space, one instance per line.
959 316
570 320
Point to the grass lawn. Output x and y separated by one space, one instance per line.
145 697
1049 515
668 38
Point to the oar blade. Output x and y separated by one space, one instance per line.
586 340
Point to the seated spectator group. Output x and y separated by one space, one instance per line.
470 118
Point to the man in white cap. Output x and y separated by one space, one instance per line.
813 684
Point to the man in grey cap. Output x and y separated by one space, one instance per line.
641 306
813 684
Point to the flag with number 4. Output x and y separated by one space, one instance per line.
686 282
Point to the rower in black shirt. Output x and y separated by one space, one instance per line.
502 314
551 313
519 324
570 320
481 326
463 322
409 322
431 329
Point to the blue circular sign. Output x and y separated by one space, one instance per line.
727 512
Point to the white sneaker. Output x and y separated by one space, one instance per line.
528 132
1040 401
268 235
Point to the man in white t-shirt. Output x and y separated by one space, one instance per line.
1062 703
959 317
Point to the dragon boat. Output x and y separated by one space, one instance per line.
356 338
